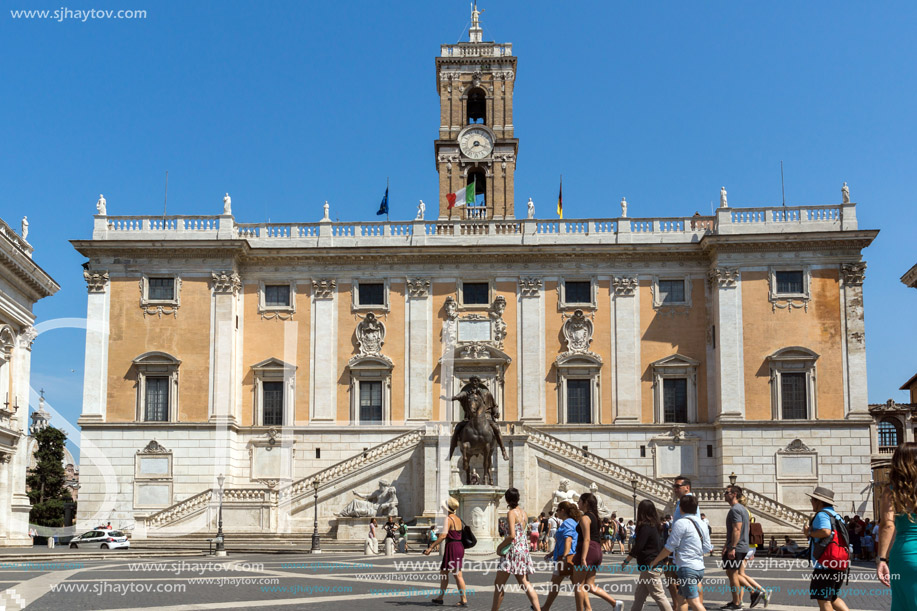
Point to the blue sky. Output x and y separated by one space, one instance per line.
287 104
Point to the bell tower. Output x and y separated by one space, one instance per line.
475 80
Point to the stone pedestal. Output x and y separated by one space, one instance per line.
478 509
356 529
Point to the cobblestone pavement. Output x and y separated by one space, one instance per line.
349 582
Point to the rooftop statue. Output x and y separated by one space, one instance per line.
227 204
100 205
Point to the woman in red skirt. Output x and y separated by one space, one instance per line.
588 556
453 556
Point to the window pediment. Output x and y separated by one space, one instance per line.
793 353
578 359
272 364
156 358
367 362
676 360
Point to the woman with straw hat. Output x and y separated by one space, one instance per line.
453 556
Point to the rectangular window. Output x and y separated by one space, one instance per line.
161 289
272 403
675 399
371 294
578 292
793 396
475 293
157 399
370 401
579 401
671 291
277 295
790 282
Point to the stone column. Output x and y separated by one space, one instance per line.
5 515
19 500
225 286
626 304
530 330
95 373
324 352
730 361
852 276
418 350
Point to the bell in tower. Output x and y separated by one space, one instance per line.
476 150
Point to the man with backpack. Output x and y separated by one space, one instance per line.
830 554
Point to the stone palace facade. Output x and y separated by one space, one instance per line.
310 360
22 283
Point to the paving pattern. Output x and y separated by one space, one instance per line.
347 582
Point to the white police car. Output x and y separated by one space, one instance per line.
104 539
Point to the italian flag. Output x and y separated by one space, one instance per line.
461 197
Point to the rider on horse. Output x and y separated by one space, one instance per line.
476 387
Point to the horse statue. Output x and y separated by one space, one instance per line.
476 438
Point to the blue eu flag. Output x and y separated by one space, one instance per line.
383 207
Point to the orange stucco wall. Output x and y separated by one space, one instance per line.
265 338
554 342
663 334
510 407
185 337
766 331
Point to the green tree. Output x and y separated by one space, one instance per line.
45 482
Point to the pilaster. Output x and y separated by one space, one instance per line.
225 286
324 351
727 314
95 373
418 350
626 304
852 277
531 345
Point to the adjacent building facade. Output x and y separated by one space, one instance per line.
307 360
22 283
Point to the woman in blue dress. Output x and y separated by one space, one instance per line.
898 568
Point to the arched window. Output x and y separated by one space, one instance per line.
478 210
889 433
477 106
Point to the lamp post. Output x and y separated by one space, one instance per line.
316 543
732 478
633 485
218 540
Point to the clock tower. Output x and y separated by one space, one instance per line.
476 144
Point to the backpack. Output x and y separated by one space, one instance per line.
835 554
402 530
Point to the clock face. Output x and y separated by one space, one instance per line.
476 143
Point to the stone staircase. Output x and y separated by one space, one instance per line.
782 518
191 522
196 514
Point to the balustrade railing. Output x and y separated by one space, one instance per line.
530 231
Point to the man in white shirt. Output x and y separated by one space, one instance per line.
680 489
689 541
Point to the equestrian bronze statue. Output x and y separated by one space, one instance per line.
478 434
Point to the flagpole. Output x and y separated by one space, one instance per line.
386 202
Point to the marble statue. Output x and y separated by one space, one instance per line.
326 207
604 512
624 207
723 203
25 227
421 208
845 194
227 204
475 15
100 205
563 493
531 205
382 502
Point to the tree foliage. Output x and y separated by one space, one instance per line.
46 482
